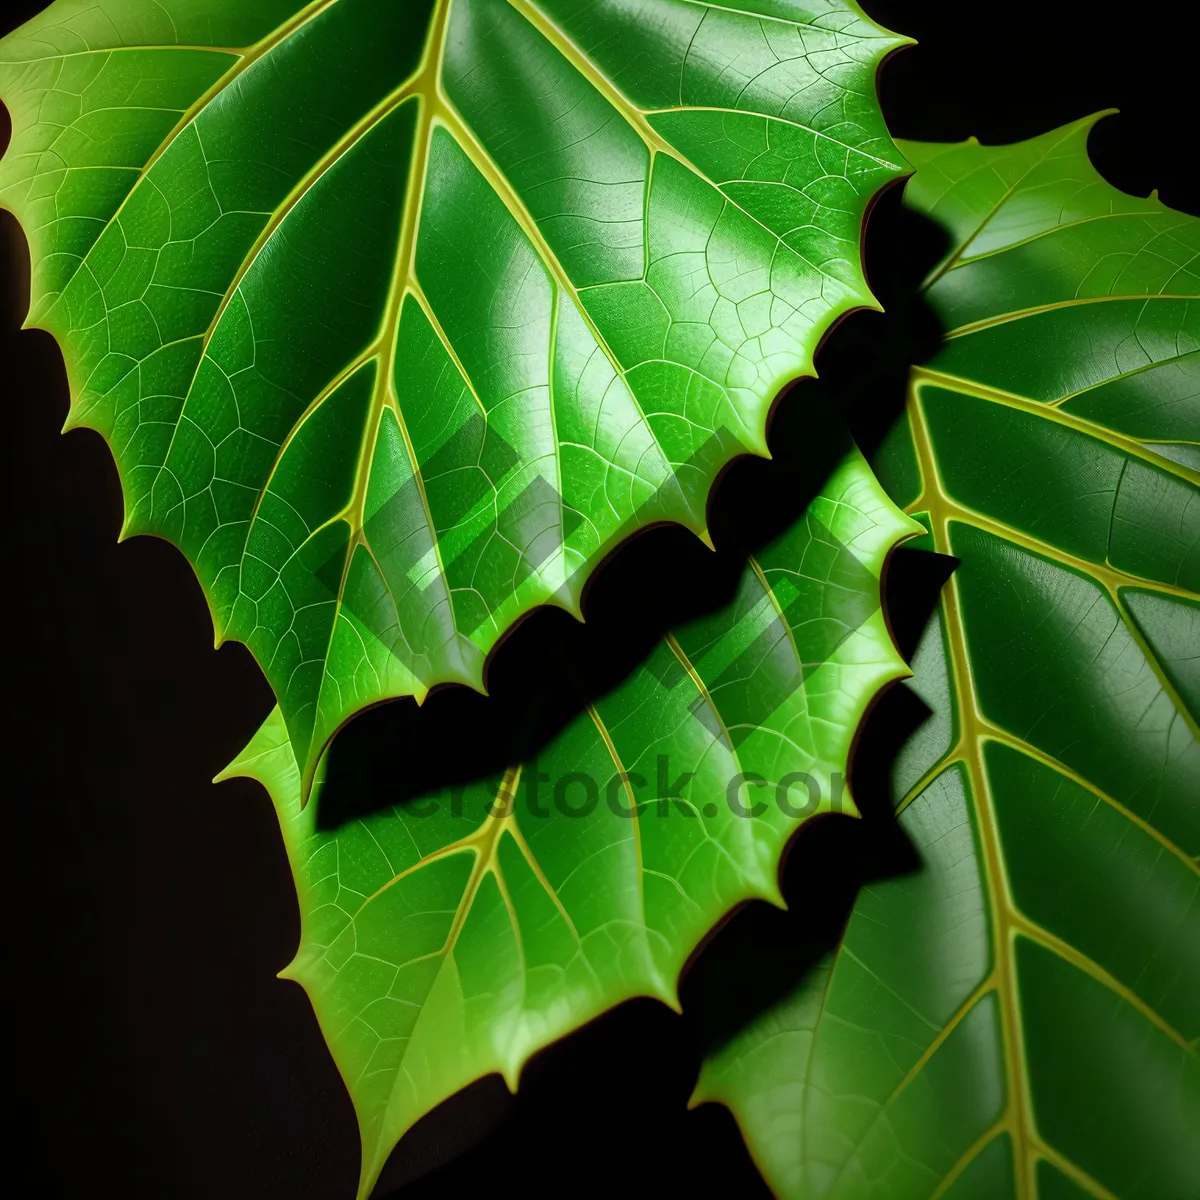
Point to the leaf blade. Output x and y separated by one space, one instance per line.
1065 737
575 309
441 941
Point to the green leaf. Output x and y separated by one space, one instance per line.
452 936
1020 1017
398 317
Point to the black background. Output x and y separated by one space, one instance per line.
155 1053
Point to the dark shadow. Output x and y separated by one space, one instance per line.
551 667
912 587
977 71
762 954
867 362
609 1096
629 1074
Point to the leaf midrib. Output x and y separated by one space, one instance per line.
428 72
973 730
943 508
936 498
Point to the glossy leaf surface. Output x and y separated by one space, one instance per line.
398 317
1020 1017
452 936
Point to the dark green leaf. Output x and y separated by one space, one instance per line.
1021 1016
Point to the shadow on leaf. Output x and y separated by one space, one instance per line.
551 667
762 953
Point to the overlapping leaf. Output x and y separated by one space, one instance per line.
398 317
1021 1016
453 935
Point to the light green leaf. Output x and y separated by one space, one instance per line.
1020 1017
454 935
398 317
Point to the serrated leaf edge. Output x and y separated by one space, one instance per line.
437 111
268 758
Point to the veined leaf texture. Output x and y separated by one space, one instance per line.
453 935
1020 1017
399 317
